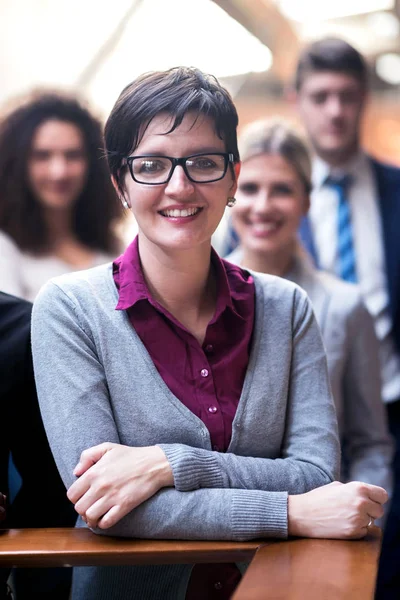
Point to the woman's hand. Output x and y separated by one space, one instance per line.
115 479
337 510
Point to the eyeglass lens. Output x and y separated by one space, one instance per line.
156 169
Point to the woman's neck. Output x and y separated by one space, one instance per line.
181 281
274 263
63 242
59 226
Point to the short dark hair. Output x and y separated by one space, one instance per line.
21 215
331 54
176 91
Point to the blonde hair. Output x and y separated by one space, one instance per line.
277 136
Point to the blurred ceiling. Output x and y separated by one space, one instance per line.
96 47
372 26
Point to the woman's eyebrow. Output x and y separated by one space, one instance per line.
193 151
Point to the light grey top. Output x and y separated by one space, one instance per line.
22 274
96 382
353 361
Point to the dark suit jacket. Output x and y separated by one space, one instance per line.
41 500
388 185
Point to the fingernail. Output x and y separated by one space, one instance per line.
78 466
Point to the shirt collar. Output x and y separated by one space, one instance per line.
131 284
133 287
321 169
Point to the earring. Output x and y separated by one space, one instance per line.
124 202
231 201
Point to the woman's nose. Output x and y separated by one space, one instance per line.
179 184
58 167
262 201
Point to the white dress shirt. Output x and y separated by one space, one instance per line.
368 247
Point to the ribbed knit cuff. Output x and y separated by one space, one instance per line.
255 514
193 468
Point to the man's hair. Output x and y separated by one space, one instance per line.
331 55
177 91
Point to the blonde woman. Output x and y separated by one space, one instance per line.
272 198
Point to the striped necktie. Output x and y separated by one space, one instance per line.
346 259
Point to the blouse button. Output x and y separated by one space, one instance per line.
218 585
204 373
209 348
212 409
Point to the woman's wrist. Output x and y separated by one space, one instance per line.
295 514
165 474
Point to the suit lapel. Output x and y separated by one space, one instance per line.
388 183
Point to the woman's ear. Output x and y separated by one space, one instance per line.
236 170
115 184
120 192
237 167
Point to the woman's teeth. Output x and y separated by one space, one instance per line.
176 212
265 227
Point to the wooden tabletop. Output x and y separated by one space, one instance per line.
305 569
81 547
297 569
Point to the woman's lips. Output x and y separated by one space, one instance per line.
264 229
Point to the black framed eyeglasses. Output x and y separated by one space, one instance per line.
198 168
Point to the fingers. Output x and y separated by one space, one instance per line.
375 510
377 494
96 511
112 517
86 501
78 489
91 456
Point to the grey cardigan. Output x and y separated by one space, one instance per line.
96 382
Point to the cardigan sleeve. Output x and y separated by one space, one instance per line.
310 455
207 514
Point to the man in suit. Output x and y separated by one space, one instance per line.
41 500
353 225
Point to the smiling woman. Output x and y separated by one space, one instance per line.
58 210
273 197
191 416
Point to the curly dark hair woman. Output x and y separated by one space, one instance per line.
58 209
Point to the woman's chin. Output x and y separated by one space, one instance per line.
265 246
181 242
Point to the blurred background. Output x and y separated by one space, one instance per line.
96 47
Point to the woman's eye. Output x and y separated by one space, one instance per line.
248 188
41 155
151 166
74 155
201 163
283 189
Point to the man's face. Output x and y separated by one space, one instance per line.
330 105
